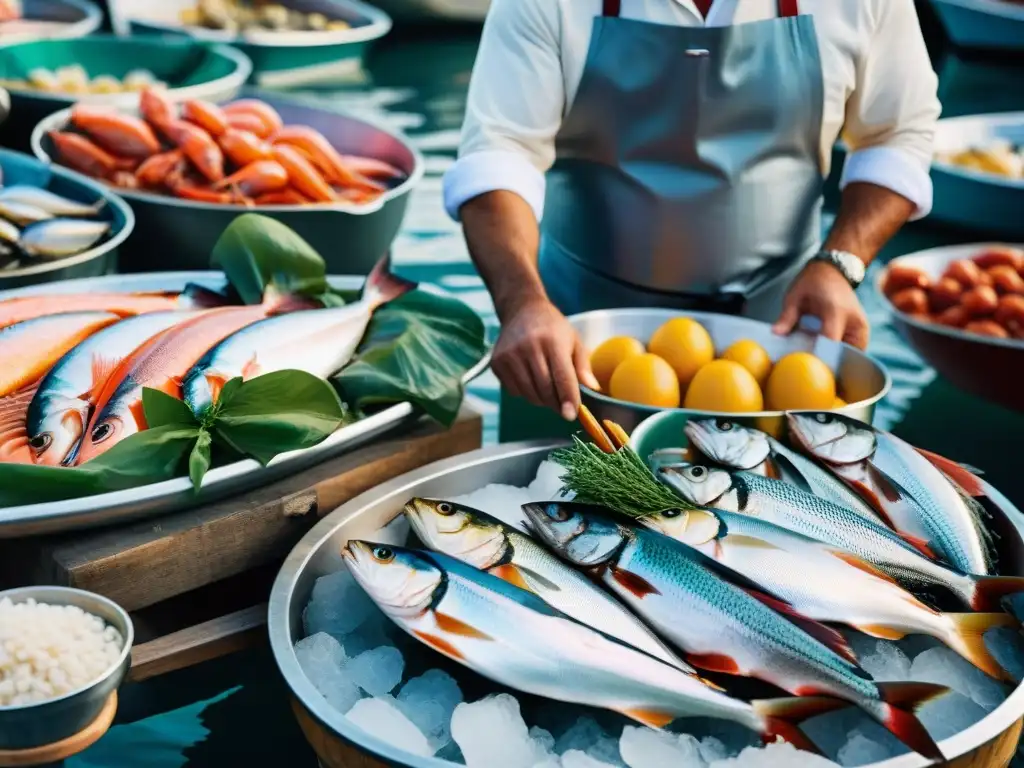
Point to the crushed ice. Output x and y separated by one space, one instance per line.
352 655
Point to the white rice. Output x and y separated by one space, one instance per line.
47 651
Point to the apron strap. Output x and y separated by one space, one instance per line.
612 7
788 8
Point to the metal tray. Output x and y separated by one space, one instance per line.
171 495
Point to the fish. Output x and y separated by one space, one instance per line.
198 146
734 445
243 121
319 342
516 639
61 237
22 213
124 135
804 573
303 175
14 448
257 178
372 168
242 147
260 110
785 505
161 363
60 410
84 155
324 157
722 621
53 204
206 115
29 349
9 233
156 108
484 542
162 169
904 486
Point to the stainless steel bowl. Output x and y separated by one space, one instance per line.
34 725
862 379
989 743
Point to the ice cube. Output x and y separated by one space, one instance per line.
492 734
1007 646
543 738
645 748
381 717
774 756
429 701
944 667
337 606
712 749
322 659
377 671
948 715
862 750
606 750
582 735
548 483
886 663
576 759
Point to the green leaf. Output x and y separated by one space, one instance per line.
200 458
162 409
278 412
416 349
256 252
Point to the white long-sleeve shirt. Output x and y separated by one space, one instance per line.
880 89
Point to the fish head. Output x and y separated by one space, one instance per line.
462 532
690 526
727 442
696 483
580 533
401 581
56 433
832 437
108 428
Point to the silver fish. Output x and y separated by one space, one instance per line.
8 232
22 213
47 201
721 620
515 638
917 499
789 507
828 584
484 542
61 237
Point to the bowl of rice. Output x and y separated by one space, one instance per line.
63 652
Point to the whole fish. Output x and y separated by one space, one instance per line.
722 621
53 204
9 233
319 342
904 486
486 543
22 213
740 447
29 349
59 412
804 573
805 513
515 638
61 237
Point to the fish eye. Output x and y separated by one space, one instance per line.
697 472
671 513
102 432
724 425
822 418
558 513
40 442
383 554
445 508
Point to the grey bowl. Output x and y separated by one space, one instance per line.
34 725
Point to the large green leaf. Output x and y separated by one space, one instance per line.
161 409
417 349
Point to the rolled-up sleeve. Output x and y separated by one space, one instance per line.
891 115
514 108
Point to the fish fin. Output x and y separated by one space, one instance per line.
888 487
770 470
652 718
863 565
383 285
454 626
439 645
989 591
251 368
197 297
139 414
532 576
919 544
782 716
751 541
867 493
830 638
969 640
966 478
102 369
903 700
512 575
277 303
216 382
638 585
881 632
790 473
714 662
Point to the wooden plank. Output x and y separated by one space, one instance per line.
203 642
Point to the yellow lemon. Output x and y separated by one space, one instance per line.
685 345
751 356
645 379
839 403
800 381
726 386
610 354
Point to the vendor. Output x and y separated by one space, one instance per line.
671 153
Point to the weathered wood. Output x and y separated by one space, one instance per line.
61 750
995 754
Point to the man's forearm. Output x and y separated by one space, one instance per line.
869 215
503 236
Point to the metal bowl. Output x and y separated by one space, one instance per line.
180 234
989 743
982 24
987 367
974 199
34 725
77 18
862 380
22 169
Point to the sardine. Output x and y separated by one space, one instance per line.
785 505
22 214
486 543
513 637
900 483
9 233
737 446
61 237
62 406
805 572
319 342
722 621
53 204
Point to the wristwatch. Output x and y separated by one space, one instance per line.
849 266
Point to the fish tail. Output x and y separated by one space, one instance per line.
897 713
989 591
197 297
782 717
277 303
966 636
383 285
964 476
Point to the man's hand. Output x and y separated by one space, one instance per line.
539 357
821 291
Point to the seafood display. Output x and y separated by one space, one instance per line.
74 80
998 157
235 16
239 153
983 295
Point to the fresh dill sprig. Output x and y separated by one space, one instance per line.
619 480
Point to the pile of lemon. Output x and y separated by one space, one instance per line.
679 368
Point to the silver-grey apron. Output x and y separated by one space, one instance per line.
687 171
